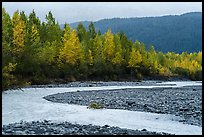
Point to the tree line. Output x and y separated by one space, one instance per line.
35 52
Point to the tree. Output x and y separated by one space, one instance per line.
71 53
98 50
23 17
108 45
91 30
126 46
81 31
90 58
53 31
199 57
153 60
7 36
8 79
16 17
33 19
67 32
35 36
118 59
40 53
19 34
135 58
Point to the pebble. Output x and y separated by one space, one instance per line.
138 99
67 128
148 100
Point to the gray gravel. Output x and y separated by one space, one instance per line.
185 102
99 83
66 128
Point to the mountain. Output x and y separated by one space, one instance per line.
177 33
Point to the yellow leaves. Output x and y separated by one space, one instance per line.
90 57
118 58
108 45
98 50
9 68
7 77
16 17
19 36
71 53
135 58
164 71
67 31
35 36
199 57
195 66
139 57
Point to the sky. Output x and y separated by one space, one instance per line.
70 12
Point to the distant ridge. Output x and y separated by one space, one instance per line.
177 33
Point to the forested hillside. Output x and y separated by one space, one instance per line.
178 33
35 52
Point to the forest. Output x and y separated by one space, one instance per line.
170 33
36 52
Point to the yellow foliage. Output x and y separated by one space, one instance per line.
16 17
71 53
135 58
67 31
35 35
7 78
164 71
118 58
90 57
199 57
19 36
9 68
109 45
98 50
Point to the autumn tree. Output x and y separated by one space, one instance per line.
71 53
118 58
19 34
41 52
7 36
108 45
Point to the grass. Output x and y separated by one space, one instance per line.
95 105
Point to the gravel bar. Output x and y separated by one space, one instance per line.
99 84
65 128
185 102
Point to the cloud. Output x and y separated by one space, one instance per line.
79 11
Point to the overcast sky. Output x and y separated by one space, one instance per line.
92 11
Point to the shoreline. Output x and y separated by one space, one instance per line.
98 83
65 82
185 102
119 92
48 127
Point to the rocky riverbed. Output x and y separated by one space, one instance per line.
65 128
99 84
185 102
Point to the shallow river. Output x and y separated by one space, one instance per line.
27 104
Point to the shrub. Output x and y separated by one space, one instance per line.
95 105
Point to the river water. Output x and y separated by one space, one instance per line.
28 104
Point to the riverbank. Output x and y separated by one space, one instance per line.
29 104
95 82
185 102
65 128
